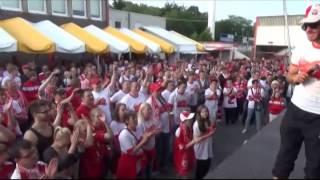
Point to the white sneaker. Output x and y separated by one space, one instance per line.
244 131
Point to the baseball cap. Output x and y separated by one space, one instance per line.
312 14
186 115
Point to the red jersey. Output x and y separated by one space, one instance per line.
276 106
6 170
92 162
83 110
30 90
76 100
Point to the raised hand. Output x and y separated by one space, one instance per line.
7 106
52 168
56 72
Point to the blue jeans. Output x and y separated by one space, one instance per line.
258 118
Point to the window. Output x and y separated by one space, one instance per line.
14 5
59 7
117 24
37 6
79 8
95 9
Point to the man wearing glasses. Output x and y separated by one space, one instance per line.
301 123
41 132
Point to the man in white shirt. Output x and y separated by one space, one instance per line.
101 95
301 123
134 98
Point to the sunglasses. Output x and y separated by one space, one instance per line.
311 25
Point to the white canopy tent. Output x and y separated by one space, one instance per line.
116 45
238 55
153 48
7 42
181 44
65 42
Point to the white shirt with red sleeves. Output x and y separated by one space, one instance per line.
131 102
179 102
306 95
117 127
104 94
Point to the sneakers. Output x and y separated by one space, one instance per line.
244 131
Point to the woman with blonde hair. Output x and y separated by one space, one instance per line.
64 148
147 124
92 162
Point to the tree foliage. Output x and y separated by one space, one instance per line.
189 21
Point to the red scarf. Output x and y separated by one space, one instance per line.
156 108
34 173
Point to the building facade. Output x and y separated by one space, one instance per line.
271 34
81 12
131 20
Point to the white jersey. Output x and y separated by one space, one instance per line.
128 140
104 94
131 102
117 96
227 101
145 126
191 90
254 91
179 103
306 95
212 104
166 94
202 150
117 127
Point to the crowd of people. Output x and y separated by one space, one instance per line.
131 118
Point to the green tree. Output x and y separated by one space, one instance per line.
205 35
118 4
235 25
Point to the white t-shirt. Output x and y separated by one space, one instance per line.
16 79
212 103
117 96
179 103
145 126
191 89
306 95
128 141
104 94
251 103
117 127
17 175
202 150
227 103
166 94
131 101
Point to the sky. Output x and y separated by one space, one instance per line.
249 9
